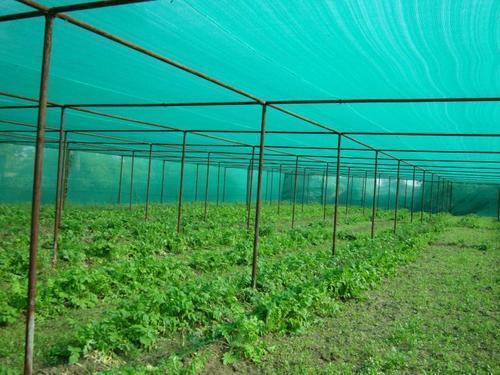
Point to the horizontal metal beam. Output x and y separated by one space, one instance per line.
66 8
288 132
387 100
275 102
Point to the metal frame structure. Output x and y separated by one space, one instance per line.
259 157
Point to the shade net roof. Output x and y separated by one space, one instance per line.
274 51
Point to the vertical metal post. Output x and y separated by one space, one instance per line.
446 191
351 199
347 190
303 188
250 187
308 180
271 192
206 187
326 190
322 197
37 193
295 190
120 181
131 180
446 199
422 199
374 205
412 195
196 183
224 186
498 204
365 180
389 194
162 181
444 195
57 212
438 194
337 189
181 182
450 204
148 184
280 188
66 170
430 198
218 184
258 202
406 193
396 203
379 182
266 190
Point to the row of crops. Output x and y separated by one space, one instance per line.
125 287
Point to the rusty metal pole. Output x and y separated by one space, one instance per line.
412 195
181 182
295 189
271 188
303 188
347 191
280 188
131 180
396 202
224 186
422 199
57 212
66 170
37 194
444 194
449 197
206 187
389 194
337 189
218 184
374 205
365 180
351 192
441 197
405 193
196 183
162 181
438 192
248 189
498 204
258 202
250 185
379 182
120 181
266 189
450 204
308 182
322 196
430 198
148 184
326 191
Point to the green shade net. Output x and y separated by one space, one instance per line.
273 50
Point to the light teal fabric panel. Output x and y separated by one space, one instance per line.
276 50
